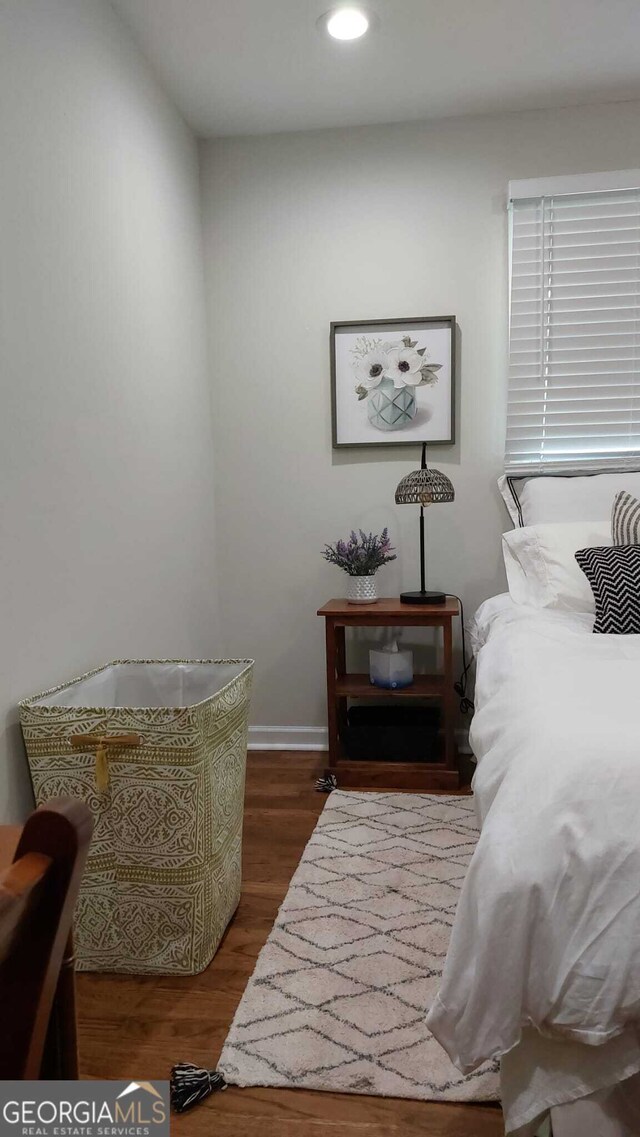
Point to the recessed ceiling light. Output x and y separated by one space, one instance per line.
346 23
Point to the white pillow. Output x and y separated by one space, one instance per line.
544 500
541 567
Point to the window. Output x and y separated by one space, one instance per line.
574 324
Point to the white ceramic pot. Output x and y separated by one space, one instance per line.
362 590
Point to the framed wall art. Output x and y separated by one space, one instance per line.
392 381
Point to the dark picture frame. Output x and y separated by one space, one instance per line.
352 418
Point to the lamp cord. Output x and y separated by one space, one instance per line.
467 705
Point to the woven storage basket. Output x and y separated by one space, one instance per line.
165 784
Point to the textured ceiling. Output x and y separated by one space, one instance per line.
257 66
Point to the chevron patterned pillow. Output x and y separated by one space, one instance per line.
614 575
625 519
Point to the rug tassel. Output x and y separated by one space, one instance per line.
327 784
192 1084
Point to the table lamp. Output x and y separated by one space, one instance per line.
424 487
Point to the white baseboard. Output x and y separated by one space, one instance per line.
288 738
310 738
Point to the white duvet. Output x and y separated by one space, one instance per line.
547 932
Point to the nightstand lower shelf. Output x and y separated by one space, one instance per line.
359 686
419 777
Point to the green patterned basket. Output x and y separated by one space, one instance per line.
165 784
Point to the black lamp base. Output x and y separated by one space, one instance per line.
422 597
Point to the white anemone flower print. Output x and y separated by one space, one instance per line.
404 367
392 380
370 370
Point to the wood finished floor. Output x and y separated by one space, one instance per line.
136 1027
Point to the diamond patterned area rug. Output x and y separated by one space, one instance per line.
340 991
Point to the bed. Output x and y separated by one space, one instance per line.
543 968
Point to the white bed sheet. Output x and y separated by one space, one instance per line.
547 932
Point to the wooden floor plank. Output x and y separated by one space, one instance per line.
137 1026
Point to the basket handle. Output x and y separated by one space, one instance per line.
102 743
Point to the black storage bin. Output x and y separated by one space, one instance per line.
392 734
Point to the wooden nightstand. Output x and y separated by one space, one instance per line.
342 685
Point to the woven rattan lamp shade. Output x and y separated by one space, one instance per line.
424 487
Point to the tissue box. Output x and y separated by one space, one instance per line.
391 669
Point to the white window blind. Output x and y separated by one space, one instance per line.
574 342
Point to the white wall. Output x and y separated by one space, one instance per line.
377 222
105 434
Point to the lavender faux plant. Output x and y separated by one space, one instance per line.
362 555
